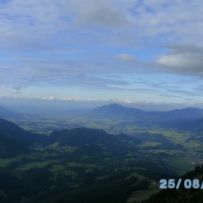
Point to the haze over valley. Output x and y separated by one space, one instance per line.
112 146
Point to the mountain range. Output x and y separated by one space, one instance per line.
94 165
116 111
181 119
72 164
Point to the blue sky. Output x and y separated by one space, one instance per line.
122 50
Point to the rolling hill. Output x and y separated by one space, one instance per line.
15 140
72 164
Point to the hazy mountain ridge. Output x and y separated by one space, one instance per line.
118 111
113 112
186 119
8 114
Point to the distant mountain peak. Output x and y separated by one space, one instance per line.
112 105
116 111
124 113
115 106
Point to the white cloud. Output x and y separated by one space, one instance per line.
126 57
183 59
97 27
101 12
39 24
17 90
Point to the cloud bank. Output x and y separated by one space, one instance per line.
84 42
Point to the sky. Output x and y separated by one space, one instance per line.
146 51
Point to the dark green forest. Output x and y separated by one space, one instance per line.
103 159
